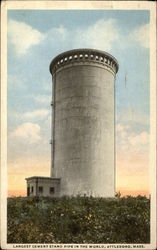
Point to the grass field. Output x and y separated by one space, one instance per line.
79 220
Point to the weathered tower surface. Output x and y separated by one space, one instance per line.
83 144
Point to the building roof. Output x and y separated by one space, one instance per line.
86 53
42 177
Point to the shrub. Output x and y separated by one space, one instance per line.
79 220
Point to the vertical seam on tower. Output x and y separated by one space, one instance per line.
53 139
114 136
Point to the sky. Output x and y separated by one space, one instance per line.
34 38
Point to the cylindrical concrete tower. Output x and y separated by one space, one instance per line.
83 145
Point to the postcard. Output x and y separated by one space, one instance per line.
78 125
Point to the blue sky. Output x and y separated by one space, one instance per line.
35 37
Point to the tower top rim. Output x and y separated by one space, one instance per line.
83 54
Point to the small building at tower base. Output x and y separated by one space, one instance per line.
43 186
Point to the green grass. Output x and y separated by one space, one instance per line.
79 220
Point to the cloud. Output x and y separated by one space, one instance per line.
28 131
136 117
36 114
128 141
139 140
103 34
132 158
141 35
22 36
121 130
39 114
100 35
14 81
121 136
58 32
43 99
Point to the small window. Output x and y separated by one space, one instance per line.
40 189
52 190
32 189
28 191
